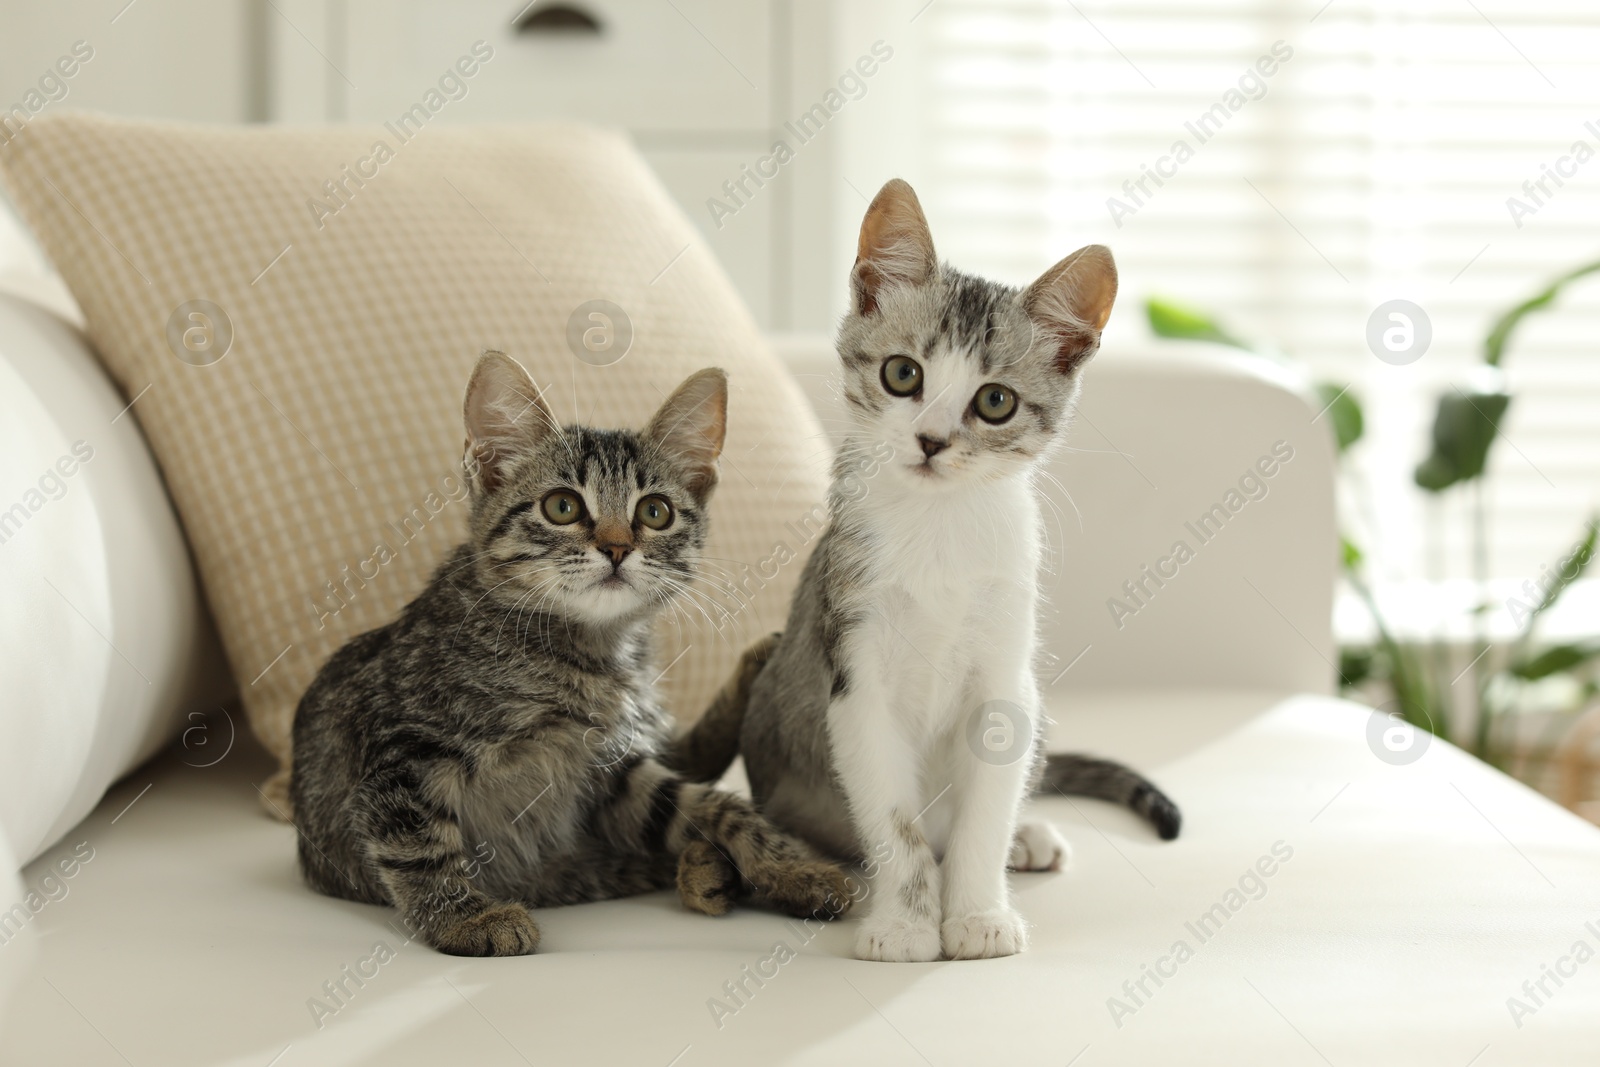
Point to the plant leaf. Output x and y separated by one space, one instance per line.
1463 429
1351 552
1344 411
1582 556
1555 660
1168 319
1355 666
1407 671
1494 345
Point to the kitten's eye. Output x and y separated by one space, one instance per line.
654 512
902 375
562 507
995 403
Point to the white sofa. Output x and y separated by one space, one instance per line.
1333 903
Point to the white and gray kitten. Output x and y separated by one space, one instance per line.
914 630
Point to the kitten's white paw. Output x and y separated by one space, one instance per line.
890 939
985 935
1038 846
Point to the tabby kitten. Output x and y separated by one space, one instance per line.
509 711
913 632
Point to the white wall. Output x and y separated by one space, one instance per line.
171 59
253 61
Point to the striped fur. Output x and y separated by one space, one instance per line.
498 746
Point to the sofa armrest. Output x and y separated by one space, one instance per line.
1203 548
107 644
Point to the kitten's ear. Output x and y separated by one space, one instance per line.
505 419
1071 302
895 246
691 425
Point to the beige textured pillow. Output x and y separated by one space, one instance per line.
314 464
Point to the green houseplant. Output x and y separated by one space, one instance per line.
1465 427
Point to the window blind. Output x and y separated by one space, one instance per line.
1339 155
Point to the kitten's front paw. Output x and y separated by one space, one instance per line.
1038 846
499 930
890 939
810 889
708 882
983 936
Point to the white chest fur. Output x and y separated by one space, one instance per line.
954 576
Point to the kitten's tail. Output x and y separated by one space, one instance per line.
1085 776
705 751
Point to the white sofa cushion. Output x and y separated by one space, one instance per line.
1415 900
107 646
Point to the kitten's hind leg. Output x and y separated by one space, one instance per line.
1038 846
781 872
417 849
657 811
708 882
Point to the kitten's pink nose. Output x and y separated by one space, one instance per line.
617 552
931 446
